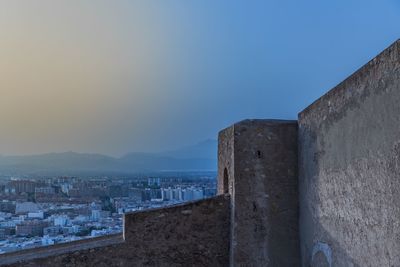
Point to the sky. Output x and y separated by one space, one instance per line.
119 76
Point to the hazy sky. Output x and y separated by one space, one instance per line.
120 76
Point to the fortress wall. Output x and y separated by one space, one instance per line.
261 159
349 152
193 234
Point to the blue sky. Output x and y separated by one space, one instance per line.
119 76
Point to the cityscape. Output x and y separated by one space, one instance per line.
38 212
199 133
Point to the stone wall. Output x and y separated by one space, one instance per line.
260 158
193 234
350 168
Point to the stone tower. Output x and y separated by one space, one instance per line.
257 166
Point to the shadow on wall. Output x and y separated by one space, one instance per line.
318 247
226 181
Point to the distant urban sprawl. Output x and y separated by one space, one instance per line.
44 211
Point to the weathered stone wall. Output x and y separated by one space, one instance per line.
350 168
225 161
261 159
193 234
226 173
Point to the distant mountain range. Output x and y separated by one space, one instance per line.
199 157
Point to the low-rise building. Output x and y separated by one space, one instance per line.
30 228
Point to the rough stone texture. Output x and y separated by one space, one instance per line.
261 159
349 150
225 160
194 234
